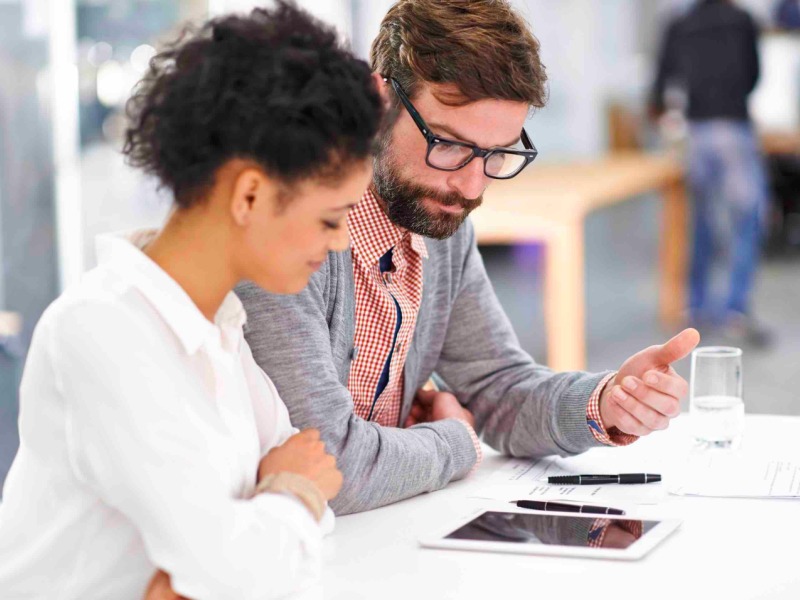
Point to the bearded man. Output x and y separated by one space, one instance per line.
410 297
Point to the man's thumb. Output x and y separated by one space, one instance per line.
677 348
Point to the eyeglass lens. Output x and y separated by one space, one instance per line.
453 156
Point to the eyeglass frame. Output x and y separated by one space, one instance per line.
529 154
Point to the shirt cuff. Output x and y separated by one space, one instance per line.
613 436
297 485
476 442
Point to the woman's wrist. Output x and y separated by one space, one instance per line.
297 485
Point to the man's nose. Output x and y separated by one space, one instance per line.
471 180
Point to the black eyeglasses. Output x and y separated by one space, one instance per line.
451 155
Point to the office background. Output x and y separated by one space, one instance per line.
67 67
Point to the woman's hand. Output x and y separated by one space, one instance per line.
160 588
304 454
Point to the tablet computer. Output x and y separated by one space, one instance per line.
562 534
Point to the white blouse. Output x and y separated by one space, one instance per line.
141 429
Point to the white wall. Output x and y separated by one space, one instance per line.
775 103
335 12
367 16
591 53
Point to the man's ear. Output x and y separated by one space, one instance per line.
251 190
383 89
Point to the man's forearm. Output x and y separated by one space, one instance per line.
382 465
540 415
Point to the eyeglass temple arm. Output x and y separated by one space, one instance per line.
423 127
526 141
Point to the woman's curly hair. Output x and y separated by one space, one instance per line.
274 86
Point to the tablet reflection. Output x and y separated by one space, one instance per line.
554 530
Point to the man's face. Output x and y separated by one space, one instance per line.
425 200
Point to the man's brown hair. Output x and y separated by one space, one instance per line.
481 48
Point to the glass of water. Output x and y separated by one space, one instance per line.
716 405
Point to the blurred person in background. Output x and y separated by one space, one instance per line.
153 448
351 353
711 52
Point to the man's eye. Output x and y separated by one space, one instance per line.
448 148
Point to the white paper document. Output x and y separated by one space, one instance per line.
521 479
732 476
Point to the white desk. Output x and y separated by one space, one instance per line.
726 548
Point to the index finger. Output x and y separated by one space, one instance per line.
669 383
678 347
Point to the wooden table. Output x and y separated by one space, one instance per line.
549 203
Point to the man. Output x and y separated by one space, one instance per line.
711 52
411 296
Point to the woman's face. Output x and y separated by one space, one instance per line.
288 239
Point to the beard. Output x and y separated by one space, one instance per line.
403 201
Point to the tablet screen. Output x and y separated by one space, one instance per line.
553 530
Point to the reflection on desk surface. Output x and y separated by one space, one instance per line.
555 530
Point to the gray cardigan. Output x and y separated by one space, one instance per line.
305 344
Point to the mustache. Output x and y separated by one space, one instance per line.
448 198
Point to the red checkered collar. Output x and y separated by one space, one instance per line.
372 233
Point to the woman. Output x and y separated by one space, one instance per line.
149 437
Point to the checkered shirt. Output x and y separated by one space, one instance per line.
612 437
372 235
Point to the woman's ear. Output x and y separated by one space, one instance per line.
252 190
